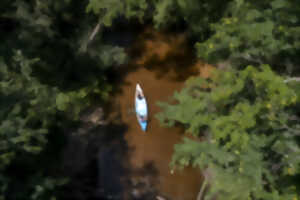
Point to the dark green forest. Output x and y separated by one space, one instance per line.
57 60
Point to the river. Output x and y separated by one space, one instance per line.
160 63
107 156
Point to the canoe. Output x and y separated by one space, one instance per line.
141 107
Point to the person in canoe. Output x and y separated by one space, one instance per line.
140 102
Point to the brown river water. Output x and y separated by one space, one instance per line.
160 63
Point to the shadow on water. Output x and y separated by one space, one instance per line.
115 159
161 52
93 161
95 158
111 170
160 62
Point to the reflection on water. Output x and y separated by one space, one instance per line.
161 62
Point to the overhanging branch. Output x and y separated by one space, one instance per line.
297 79
95 31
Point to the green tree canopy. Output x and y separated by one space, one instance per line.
256 32
195 14
245 119
51 68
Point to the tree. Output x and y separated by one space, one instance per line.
108 10
246 121
255 32
50 70
28 111
58 32
195 14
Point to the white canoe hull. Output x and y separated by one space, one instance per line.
141 109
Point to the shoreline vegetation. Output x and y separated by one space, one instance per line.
61 63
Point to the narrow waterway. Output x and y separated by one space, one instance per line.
160 63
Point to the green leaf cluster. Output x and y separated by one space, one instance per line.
254 31
108 10
28 111
243 118
196 14
58 33
50 70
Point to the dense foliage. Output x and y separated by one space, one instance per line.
50 70
54 61
255 31
247 118
27 112
239 30
196 14
249 129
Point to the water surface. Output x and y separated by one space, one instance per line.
161 62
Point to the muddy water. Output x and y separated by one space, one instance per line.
161 63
